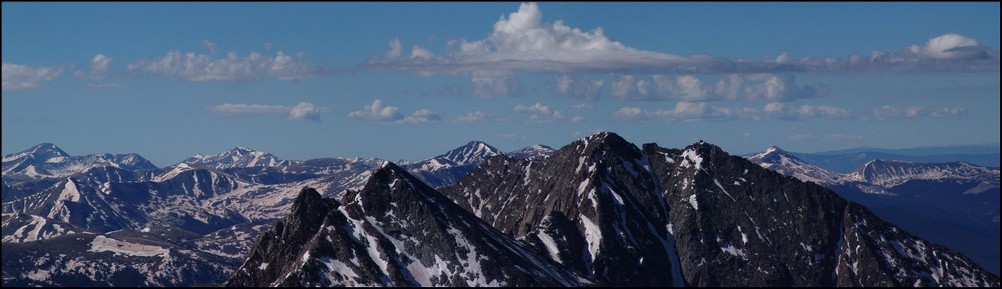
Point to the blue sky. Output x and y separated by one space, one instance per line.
411 80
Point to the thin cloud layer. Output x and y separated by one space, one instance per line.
476 116
18 76
914 112
701 111
234 67
301 111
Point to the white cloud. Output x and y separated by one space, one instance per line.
18 76
701 111
914 112
804 112
307 111
100 65
301 111
418 52
422 116
395 48
802 137
758 86
475 116
576 119
234 67
628 113
947 46
523 41
581 106
539 113
209 45
377 112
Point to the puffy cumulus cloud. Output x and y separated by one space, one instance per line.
523 41
234 67
301 111
377 112
758 86
915 112
307 111
582 87
539 113
422 116
18 76
685 111
418 52
476 116
949 46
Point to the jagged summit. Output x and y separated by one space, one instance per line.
395 231
471 153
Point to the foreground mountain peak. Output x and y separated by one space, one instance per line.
395 231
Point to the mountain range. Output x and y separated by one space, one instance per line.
598 211
955 203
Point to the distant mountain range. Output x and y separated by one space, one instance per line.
955 203
598 211
844 161
221 201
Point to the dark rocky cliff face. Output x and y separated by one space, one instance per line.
719 220
396 231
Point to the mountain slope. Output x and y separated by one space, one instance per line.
396 231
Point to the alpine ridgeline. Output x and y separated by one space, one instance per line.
598 211
396 231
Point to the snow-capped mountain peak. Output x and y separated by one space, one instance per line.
471 153
448 168
531 152
237 157
779 160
